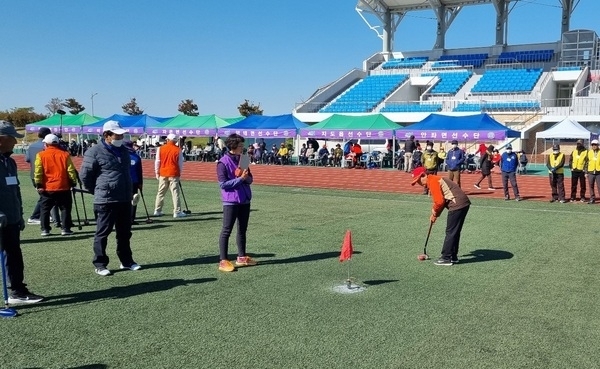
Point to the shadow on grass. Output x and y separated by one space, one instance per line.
89 366
211 259
377 282
143 225
58 237
485 255
304 258
117 292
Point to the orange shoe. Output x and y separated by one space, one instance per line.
245 261
226 266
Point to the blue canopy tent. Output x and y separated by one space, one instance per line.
466 128
134 124
261 126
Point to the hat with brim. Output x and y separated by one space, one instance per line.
7 129
114 127
417 174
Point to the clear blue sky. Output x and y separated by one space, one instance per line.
218 53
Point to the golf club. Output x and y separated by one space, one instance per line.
85 221
7 312
424 255
76 208
187 210
148 220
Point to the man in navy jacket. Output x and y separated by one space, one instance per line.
509 164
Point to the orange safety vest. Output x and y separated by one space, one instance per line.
169 160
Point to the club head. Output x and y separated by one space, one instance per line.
86 223
79 227
8 313
187 211
423 257
149 221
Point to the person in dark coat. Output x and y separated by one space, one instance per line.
485 164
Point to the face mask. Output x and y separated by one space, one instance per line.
117 143
455 146
429 148
509 151
555 152
580 147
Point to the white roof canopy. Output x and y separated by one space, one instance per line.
566 129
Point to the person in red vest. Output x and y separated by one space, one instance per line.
54 175
168 166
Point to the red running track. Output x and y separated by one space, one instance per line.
531 187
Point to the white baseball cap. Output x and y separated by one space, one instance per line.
51 139
171 136
594 142
114 127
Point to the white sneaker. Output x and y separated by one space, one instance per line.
136 199
158 213
180 214
45 233
33 221
102 271
133 266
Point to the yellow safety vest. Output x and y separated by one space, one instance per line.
578 159
593 160
555 160
429 160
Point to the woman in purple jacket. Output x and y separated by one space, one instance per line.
236 195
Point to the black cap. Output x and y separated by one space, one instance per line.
454 142
509 146
43 132
556 147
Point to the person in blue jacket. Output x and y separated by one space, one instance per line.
508 165
455 158
137 178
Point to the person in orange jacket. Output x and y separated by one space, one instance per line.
168 166
54 175
445 194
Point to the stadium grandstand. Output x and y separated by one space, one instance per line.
527 87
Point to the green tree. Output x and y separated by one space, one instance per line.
247 108
19 117
188 107
53 105
132 107
73 106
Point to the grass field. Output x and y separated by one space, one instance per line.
525 294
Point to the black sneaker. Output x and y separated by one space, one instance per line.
66 232
444 262
24 297
454 261
506 198
518 198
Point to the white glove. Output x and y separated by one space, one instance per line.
2 220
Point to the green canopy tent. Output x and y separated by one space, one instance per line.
339 126
68 123
233 120
190 126
348 127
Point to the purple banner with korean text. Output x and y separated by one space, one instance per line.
98 130
333 134
65 129
187 132
259 133
443 135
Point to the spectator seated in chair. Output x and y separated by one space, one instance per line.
338 154
282 155
323 155
310 153
355 154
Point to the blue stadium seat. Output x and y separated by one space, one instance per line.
507 80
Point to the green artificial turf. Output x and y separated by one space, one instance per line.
524 296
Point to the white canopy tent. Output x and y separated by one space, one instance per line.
565 129
568 129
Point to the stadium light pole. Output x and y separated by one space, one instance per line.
61 113
93 94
